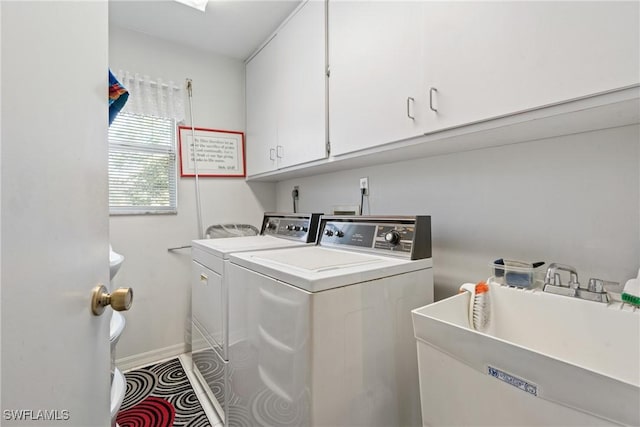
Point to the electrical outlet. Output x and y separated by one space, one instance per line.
364 184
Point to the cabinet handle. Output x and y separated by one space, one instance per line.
431 91
203 277
279 151
409 101
272 154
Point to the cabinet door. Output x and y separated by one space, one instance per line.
302 87
262 118
488 59
208 305
375 61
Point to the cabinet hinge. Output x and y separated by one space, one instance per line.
328 148
328 72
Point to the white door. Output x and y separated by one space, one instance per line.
54 213
488 59
302 87
375 78
262 115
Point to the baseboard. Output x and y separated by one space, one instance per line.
154 356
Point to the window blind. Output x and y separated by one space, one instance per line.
142 165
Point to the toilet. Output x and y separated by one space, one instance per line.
115 261
116 327
118 388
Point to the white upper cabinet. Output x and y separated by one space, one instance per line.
286 95
432 76
487 59
302 108
375 60
262 117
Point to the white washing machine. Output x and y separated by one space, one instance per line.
209 333
322 335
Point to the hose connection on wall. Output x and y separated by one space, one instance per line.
364 191
294 196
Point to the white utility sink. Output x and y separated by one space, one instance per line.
115 261
545 360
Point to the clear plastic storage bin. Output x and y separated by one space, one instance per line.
519 274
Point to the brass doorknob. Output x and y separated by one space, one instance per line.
120 299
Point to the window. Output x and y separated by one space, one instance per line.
142 165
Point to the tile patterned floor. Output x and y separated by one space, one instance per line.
185 359
167 382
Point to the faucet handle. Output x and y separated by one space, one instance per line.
573 280
600 286
553 276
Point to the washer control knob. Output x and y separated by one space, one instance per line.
289 227
271 226
297 228
328 233
339 233
392 237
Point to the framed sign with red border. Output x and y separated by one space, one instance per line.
217 152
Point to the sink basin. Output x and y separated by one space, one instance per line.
545 360
115 261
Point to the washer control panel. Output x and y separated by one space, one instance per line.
408 237
303 227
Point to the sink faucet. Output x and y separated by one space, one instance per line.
594 291
553 284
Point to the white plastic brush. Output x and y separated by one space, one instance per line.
631 292
479 305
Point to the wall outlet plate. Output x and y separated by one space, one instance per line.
364 184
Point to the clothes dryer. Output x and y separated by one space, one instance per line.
209 305
322 335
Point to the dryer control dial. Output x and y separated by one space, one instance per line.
392 237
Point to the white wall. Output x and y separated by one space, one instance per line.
572 200
161 279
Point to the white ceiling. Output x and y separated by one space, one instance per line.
233 28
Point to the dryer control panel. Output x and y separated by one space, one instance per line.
408 237
302 227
